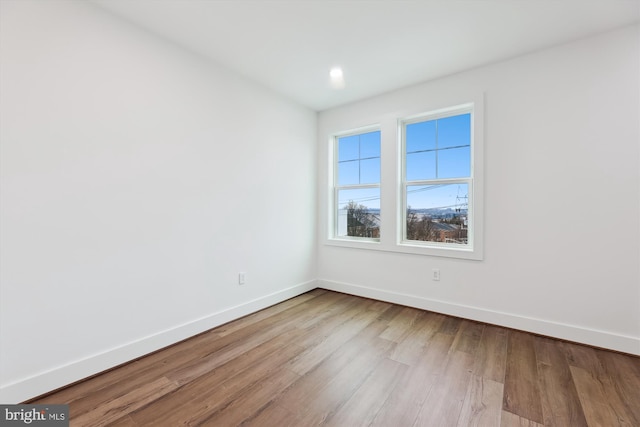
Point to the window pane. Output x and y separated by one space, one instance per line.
348 148
359 213
370 171
421 165
421 136
454 131
348 172
454 163
437 213
370 145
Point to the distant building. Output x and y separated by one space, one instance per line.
450 233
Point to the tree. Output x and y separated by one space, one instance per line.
420 228
359 222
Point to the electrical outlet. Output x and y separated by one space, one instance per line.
435 274
242 278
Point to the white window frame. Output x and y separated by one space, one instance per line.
392 211
469 181
335 187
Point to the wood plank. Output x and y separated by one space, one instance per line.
326 401
272 415
380 306
125 421
316 334
581 356
239 342
468 337
444 403
623 374
209 392
406 399
241 360
250 401
491 355
588 359
364 404
352 362
400 324
594 401
331 342
450 325
560 403
94 398
483 403
411 346
341 303
258 316
512 420
113 409
521 389
391 312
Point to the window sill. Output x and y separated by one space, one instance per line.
354 243
408 248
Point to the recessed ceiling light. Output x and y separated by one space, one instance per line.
337 78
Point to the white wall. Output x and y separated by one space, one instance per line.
137 181
562 197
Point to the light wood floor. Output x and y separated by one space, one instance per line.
339 360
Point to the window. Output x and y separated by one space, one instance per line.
357 186
423 171
437 184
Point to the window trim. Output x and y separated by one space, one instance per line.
335 187
467 108
391 181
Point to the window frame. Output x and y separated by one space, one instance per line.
404 183
392 220
336 187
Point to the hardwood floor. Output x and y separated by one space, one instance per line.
326 358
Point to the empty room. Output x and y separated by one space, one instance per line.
302 212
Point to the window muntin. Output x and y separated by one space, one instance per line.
357 186
437 179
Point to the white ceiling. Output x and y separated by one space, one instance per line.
382 45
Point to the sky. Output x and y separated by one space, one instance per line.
435 149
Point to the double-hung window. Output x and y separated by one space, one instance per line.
437 179
430 190
357 186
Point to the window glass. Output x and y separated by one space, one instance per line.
421 165
348 148
437 152
370 145
454 162
349 172
357 212
437 213
370 171
454 131
421 136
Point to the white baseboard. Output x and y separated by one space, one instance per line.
597 338
44 382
